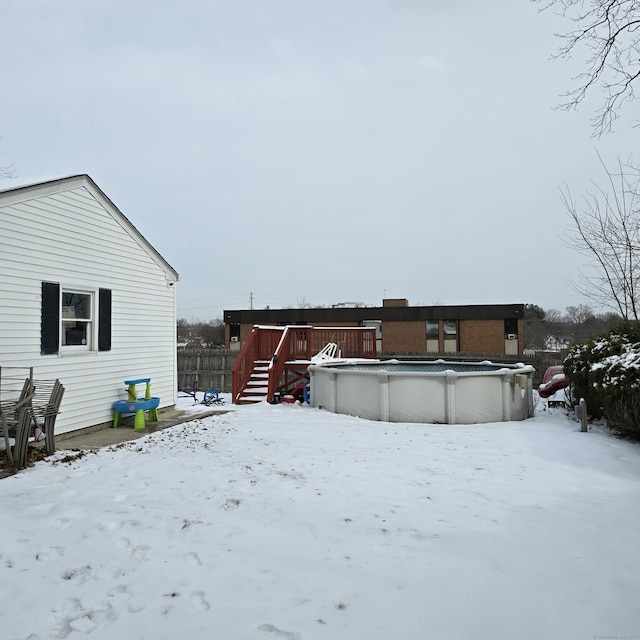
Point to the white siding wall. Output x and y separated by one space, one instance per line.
74 237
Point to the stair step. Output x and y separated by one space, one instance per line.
256 390
257 386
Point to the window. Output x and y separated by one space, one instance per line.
450 328
511 328
69 318
432 329
77 319
433 337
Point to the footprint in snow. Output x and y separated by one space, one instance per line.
83 624
198 601
136 605
289 635
48 553
62 523
43 507
90 619
140 551
80 575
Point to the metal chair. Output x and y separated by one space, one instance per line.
45 409
37 406
16 419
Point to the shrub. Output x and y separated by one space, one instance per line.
605 371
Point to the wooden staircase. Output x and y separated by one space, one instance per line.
258 384
274 359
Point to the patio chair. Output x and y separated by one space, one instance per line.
21 436
16 420
45 409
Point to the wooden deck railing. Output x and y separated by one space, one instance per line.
260 345
282 345
302 343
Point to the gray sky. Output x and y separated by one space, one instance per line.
316 152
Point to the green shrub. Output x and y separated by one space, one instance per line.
605 371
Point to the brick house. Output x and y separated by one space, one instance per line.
400 328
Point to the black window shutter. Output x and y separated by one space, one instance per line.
104 320
50 324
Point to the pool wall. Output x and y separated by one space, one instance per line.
380 391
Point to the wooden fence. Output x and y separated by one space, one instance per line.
207 367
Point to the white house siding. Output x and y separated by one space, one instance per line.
68 232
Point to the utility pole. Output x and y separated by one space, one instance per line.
251 301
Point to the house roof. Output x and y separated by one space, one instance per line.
21 189
359 314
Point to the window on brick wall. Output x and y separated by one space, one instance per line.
511 342
510 328
450 330
433 344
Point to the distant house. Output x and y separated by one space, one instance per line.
496 329
84 298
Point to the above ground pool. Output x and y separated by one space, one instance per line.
435 391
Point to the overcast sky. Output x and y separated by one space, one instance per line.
309 151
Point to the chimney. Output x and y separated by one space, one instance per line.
395 302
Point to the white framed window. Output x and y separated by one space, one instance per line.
77 324
74 319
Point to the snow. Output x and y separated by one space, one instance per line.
290 523
558 377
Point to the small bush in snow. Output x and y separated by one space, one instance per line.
605 371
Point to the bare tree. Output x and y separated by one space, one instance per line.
201 333
579 314
606 229
553 315
212 333
609 30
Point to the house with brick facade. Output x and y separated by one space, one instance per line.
400 328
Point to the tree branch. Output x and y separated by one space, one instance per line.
610 31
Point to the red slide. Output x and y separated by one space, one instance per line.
553 380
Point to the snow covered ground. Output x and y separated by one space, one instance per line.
290 523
